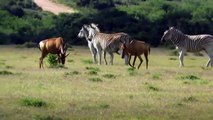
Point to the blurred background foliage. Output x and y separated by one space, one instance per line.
22 21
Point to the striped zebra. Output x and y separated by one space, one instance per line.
108 43
83 33
190 43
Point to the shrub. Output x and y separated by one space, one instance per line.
52 59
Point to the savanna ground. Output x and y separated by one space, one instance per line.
83 90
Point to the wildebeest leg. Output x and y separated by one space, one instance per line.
147 60
182 52
105 57
111 58
141 60
134 61
43 55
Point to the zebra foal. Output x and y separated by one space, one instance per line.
190 43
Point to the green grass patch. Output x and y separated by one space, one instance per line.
189 77
190 99
152 88
72 73
157 76
87 61
172 58
70 61
132 71
34 102
92 72
104 105
93 69
95 79
4 72
47 118
109 76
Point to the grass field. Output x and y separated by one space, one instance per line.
85 91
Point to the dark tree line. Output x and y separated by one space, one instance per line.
23 21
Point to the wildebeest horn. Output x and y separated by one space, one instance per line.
67 54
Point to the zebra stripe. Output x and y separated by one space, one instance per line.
109 43
190 43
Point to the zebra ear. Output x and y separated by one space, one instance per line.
171 27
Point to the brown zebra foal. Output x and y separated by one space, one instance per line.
136 48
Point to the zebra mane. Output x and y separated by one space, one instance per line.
175 30
94 26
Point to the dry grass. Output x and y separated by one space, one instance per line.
163 92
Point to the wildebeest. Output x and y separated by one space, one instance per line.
136 48
109 43
53 46
83 33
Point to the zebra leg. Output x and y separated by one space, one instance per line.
126 58
93 51
99 56
111 58
105 57
210 54
181 56
208 63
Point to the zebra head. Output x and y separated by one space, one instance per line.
84 32
93 30
168 34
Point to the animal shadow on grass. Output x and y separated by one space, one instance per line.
5 72
132 71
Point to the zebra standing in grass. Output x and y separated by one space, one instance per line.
84 33
109 43
190 43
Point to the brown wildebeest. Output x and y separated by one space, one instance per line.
53 46
136 48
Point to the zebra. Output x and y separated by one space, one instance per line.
108 43
190 43
83 33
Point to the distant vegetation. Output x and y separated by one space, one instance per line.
22 21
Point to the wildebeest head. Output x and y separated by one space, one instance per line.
63 55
